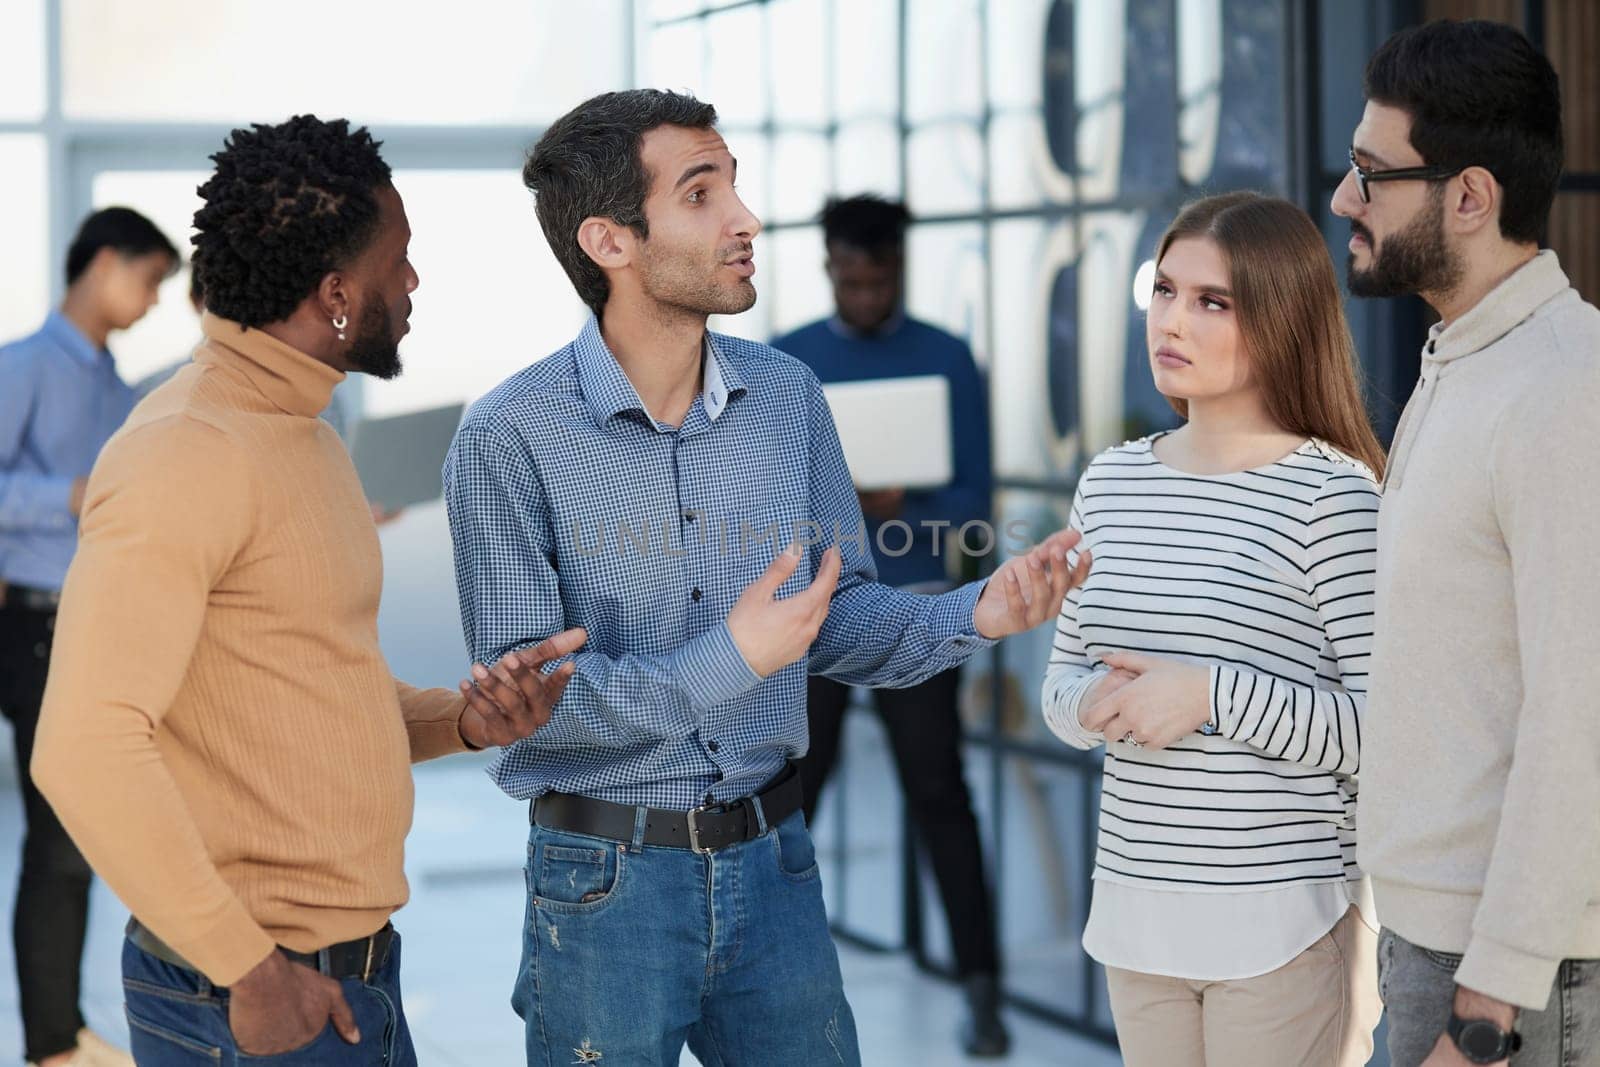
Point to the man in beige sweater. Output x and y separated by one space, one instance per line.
221 735
1480 786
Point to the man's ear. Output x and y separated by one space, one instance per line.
1477 202
333 295
605 241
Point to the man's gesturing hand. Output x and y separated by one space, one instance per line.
771 633
1028 589
512 699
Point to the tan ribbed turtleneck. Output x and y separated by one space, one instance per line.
221 735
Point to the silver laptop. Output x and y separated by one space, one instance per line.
400 457
895 431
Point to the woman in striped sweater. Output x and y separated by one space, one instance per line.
1219 650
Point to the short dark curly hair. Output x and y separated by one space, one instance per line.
287 204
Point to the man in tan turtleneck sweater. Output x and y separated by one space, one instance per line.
221 735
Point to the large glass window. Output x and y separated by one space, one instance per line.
22 56
425 64
25 267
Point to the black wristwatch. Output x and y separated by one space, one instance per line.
1481 1041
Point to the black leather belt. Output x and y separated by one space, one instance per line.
705 829
361 958
21 596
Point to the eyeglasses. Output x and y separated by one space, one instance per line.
1400 174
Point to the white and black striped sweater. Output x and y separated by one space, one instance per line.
1267 577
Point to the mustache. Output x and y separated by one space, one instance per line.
735 251
1362 232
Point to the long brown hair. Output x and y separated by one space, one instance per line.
1290 315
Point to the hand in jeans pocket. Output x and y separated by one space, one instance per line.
282 1006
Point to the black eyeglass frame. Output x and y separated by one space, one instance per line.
1399 174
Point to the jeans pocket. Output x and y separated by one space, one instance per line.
173 1015
156 1045
1445 961
793 849
571 874
311 1053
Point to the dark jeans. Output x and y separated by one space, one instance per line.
1418 988
176 1018
924 727
52 910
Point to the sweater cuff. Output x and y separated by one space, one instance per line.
1062 716
710 670
430 740
1498 970
433 721
227 951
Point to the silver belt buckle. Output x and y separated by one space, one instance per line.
694 829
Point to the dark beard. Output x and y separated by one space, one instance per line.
1415 260
375 350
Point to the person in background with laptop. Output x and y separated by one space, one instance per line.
870 337
61 398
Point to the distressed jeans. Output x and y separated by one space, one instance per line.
1418 987
630 951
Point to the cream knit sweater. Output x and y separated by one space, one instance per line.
1480 786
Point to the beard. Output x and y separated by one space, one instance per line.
375 351
1415 260
684 283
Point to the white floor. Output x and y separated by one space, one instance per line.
461 928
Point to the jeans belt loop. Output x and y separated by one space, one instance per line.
641 815
366 968
759 811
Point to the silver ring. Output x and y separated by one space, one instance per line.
1129 739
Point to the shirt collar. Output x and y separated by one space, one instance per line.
890 327
610 393
290 379
65 333
1505 307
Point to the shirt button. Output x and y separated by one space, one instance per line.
688 516
714 746
695 596
718 776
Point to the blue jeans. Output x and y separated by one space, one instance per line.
630 951
177 1018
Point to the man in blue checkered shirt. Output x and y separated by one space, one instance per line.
682 497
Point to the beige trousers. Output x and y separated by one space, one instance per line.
1317 1010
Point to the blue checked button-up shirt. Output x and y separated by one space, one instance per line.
570 506
60 401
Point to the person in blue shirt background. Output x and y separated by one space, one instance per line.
870 337
61 399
